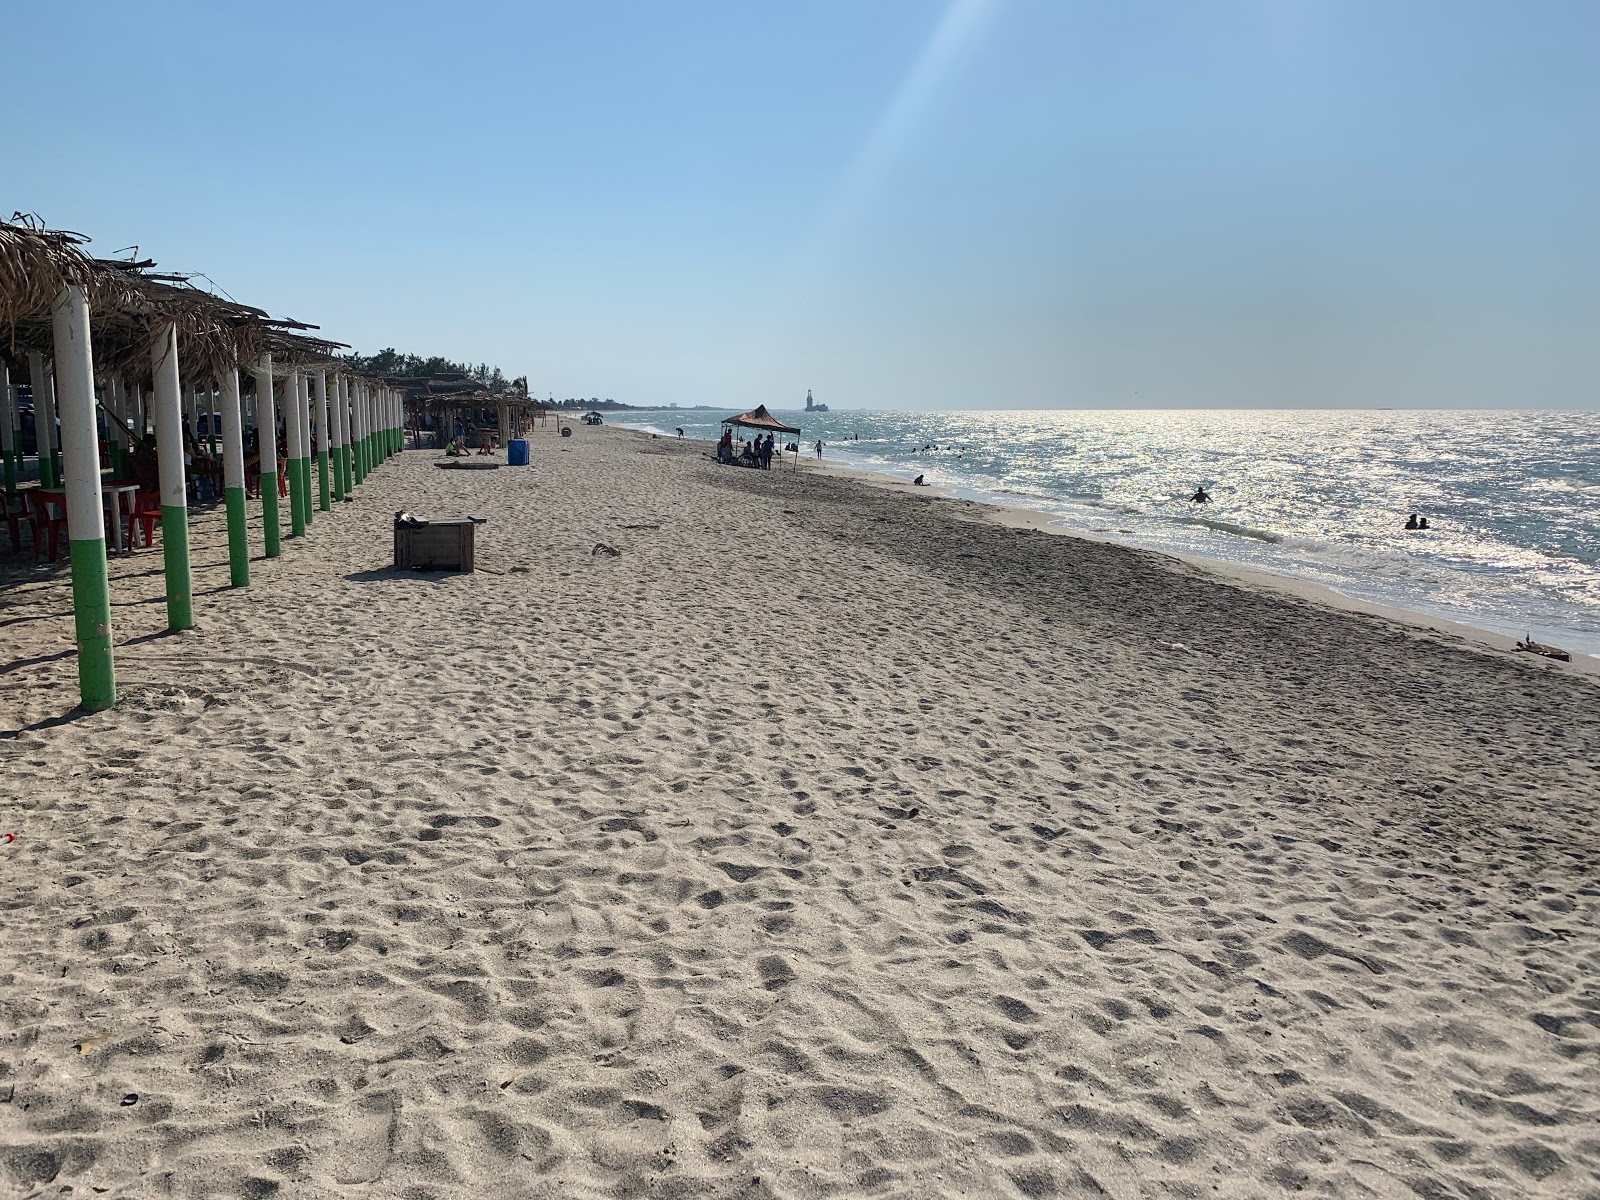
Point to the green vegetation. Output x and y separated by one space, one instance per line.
390 363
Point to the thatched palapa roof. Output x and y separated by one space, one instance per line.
130 308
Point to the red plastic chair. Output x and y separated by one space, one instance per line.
147 515
49 519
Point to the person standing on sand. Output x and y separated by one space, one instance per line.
819 448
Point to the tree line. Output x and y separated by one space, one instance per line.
390 363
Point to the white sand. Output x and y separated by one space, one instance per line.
817 844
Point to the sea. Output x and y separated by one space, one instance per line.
1512 499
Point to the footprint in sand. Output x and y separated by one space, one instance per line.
365 1143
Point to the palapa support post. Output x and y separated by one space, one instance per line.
44 417
174 489
359 436
353 427
233 480
86 529
341 428
369 461
212 407
10 443
319 391
115 407
295 437
335 438
310 508
267 442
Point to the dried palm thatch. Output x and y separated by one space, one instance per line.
131 308
36 263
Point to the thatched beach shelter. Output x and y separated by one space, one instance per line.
150 332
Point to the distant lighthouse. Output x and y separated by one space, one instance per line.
812 405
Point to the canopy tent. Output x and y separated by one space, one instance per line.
760 418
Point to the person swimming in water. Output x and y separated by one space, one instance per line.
1201 496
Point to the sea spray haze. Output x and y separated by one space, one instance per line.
1513 497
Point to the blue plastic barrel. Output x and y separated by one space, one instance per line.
517 452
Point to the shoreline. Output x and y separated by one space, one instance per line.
1018 517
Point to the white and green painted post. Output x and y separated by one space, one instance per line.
86 529
267 440
336 420
307 449
295 437
119 430
212 408
358 454
319 392
358 413
44 417
168 404
9 442
233 480
374 428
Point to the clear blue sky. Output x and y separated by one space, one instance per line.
896 203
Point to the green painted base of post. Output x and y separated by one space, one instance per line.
297 500
55 469
271 520
119 462
11 472
344 472
306 492
91 612
175 553
47 476
238 539
324 484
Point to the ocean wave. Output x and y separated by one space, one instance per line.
1244 531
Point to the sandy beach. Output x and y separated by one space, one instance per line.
757 834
